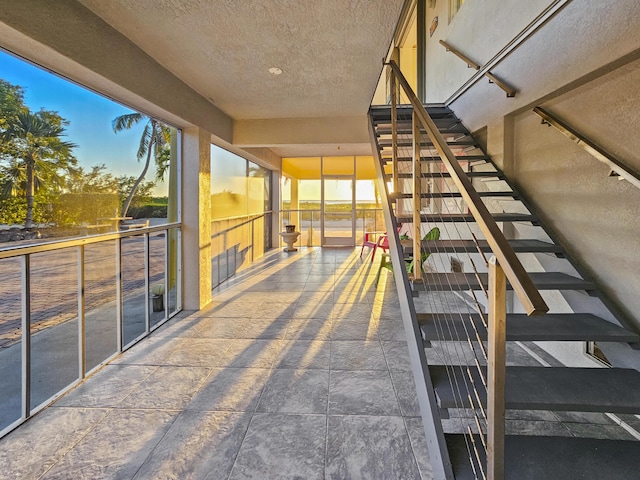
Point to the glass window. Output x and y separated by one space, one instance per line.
454 6
228 184
99 163
240 195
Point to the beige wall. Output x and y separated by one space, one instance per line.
479 30
594 215
581 65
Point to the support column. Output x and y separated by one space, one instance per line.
196 218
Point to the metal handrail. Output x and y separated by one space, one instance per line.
597 152
547 14
15 251
510 91
521 283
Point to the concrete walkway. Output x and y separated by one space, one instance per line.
299 369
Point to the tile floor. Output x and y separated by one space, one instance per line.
299 369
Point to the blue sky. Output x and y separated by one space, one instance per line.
89 114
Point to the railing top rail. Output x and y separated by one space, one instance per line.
18 250
236 217
520 281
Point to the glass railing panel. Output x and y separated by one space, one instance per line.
54 322
101 324
10 346
157 277
134 290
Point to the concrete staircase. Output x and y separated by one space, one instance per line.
458 386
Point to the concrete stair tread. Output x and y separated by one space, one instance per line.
520 327
466 281
509 194
477 174
554 458
381 114
613 390
462 217
452 246
460 158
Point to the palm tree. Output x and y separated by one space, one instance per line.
153 142
38 156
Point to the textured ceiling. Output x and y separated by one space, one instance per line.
330 51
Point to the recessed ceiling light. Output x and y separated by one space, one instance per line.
275 71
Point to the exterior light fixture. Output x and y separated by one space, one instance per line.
275 71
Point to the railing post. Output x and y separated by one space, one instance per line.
25 276
394 143
496 335
417 180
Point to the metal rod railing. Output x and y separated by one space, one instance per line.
417 180
520 281
77 241
596 151
503 266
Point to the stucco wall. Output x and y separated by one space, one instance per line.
479 30
583 66
594 215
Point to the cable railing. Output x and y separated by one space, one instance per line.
443 208
69 306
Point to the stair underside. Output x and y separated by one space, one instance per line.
457 246
445 126
551 327
467 281
613 390
555 458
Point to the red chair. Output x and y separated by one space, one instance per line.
383 243
369 241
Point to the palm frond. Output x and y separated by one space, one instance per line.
126 121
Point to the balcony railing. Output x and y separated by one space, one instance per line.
70 306
308 223
236 242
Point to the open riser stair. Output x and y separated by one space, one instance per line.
447 305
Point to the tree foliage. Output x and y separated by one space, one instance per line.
154 143
33 155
